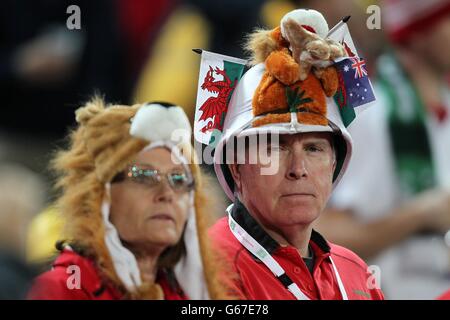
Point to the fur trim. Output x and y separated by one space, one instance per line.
90 110
107 140
260 44
213 265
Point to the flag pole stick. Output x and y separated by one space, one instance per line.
338 25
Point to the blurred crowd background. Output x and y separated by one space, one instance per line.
134 51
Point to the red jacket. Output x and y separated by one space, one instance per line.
256 281
53 284
445 296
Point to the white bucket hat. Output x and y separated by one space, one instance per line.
238 123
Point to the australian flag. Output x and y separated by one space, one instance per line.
355 89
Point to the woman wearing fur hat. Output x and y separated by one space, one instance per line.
134 206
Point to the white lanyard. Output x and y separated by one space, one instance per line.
261 253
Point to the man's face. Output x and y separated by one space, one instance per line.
299 190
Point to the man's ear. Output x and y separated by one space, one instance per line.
234 170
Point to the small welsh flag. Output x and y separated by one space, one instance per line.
218 77
355 92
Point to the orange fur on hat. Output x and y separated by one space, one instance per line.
294 80
100 148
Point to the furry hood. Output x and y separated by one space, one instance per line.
100 147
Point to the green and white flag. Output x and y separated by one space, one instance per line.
218 76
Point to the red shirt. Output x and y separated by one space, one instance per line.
52 285
256 281
445 296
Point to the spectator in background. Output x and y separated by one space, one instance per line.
21 197
393 206
46 226
140 24
46 69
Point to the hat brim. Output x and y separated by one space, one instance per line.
342 144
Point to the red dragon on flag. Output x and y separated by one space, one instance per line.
214 107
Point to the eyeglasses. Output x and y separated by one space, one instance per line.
179 181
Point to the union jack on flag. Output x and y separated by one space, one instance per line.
355 92
359 66
355 89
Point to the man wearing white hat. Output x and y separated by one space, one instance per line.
267 236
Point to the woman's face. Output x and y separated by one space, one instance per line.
146 213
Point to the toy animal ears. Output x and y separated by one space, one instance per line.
161 121
159 103
311 20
